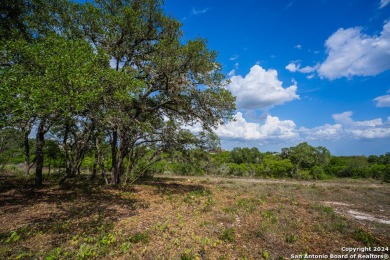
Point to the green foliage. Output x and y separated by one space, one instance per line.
305 156
275 167
365 237
10 146
140 237
291 238
56 73
227 235
245 155
386 174
14 237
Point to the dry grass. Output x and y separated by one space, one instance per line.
189 218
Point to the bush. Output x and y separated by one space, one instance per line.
238 169
386 174
278 168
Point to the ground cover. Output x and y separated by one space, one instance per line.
172 217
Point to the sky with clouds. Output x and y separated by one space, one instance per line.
301 70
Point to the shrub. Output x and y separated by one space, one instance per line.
386 174
227 235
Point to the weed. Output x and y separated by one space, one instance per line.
125 247
291 238
175 241
194 196
24 255
262 230
86 251
14 237
270 217
365 237
248 205
107 239
140 237
209 201
54 254
187 255
227 235
264 253
161 227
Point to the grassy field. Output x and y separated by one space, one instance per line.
191 218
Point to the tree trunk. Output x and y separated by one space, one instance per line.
68 166
114 149
26 152
95 165
40 142
49 166
118 169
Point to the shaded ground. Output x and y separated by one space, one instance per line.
189 218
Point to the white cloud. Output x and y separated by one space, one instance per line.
296 66
383 101
308 69
199 11
350 53
232 73
345 118
347 128
235 57
371 133
383 3
298 46
325 132
272 129
260 88
293 67
368 129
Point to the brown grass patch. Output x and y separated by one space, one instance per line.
187 218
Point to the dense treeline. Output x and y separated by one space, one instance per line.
300 162
111 80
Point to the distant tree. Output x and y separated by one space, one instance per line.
305 156
246 155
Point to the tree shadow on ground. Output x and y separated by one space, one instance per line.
62 211
169 186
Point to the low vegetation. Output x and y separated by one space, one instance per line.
187 218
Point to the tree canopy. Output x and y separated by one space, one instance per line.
113 71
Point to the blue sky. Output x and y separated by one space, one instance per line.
302 70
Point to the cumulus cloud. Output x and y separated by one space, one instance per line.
271 129
345 118
371 133
260 88
325 132
274 130
383 3
368 129
350 53
383 101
